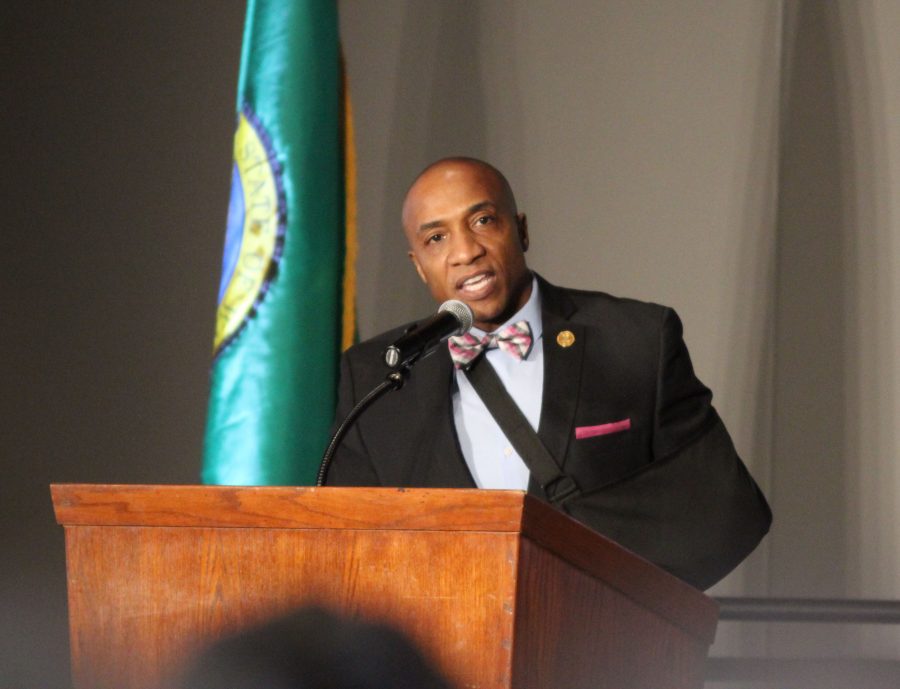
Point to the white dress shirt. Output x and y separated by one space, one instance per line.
490 456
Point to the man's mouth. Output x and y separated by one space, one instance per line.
477 285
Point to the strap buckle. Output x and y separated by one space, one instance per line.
561 490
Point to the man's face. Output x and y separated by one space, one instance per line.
467 242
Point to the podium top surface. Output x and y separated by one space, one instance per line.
390 509
289 507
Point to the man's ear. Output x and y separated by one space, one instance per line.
522 227
412 257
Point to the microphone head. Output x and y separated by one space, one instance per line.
461 311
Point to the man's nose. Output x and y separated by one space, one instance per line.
464 247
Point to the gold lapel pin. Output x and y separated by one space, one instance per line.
566 338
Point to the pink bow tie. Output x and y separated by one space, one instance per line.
514 339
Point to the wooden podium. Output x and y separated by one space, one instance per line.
498 589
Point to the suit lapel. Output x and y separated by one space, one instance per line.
437 440
564 343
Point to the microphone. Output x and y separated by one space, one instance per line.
453 318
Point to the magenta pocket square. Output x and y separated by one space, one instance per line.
582 432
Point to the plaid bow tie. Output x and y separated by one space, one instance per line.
514 339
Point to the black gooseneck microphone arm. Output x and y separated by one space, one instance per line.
453 318
393 381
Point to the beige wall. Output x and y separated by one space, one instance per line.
836 444
874 478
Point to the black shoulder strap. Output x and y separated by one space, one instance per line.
558 487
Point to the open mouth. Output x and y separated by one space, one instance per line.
477 285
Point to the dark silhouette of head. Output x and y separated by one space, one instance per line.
313 649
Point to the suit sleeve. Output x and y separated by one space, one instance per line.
351 464
694 510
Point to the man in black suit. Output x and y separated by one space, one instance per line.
606 382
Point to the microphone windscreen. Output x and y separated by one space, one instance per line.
461 311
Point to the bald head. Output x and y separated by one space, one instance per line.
448 169
467 239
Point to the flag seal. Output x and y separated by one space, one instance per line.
254 238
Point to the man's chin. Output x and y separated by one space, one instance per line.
487 319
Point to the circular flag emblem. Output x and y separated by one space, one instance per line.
255 231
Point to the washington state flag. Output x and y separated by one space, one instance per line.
285 304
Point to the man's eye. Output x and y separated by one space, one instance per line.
484 220
434 238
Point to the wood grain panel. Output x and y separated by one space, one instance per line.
573 631
630 574
143 599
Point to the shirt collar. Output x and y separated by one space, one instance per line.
531 312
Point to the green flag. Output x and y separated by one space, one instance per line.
285 299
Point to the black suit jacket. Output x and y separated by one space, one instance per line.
671 487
